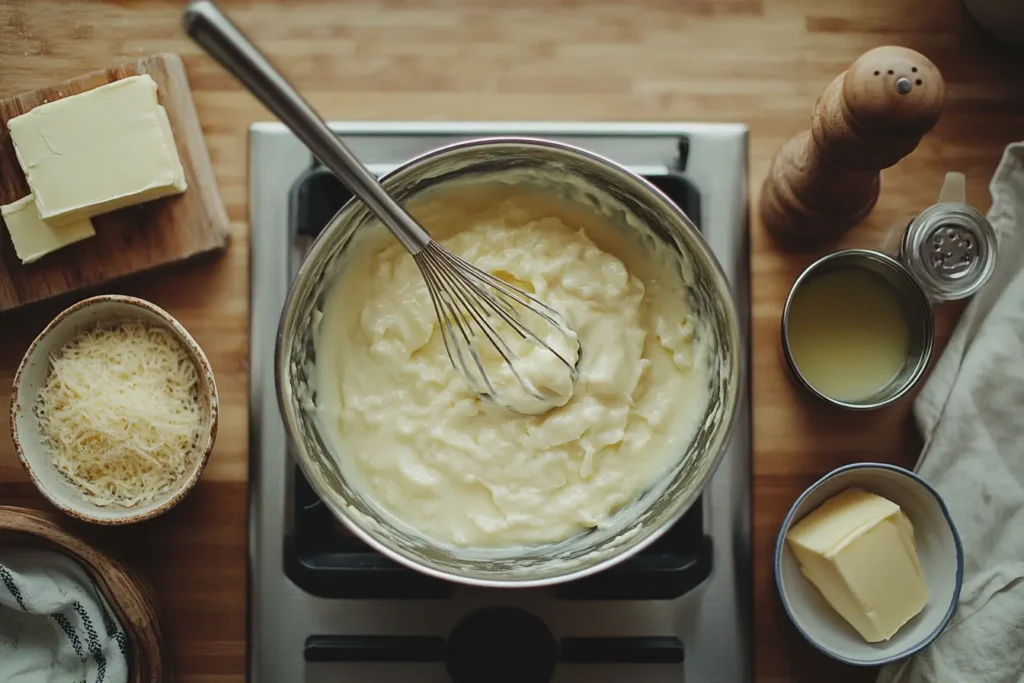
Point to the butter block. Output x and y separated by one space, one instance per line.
33 238
98 151
857 548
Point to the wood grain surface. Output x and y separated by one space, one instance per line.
763 62
131 240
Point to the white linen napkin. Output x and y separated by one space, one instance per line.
971 414
55 624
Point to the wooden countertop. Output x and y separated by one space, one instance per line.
763 62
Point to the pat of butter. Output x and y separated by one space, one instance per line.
33 238
98 151
857 548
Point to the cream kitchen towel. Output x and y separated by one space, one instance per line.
55 624
971 413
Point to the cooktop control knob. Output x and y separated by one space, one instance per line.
501 645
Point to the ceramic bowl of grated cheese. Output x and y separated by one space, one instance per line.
114 410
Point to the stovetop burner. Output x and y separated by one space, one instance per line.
325 605
324 560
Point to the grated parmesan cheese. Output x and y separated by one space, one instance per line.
120 413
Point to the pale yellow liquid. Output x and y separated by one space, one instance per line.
848 334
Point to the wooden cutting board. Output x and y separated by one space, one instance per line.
130 240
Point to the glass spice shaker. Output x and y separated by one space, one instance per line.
950 247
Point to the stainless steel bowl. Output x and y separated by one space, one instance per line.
916 308
600 186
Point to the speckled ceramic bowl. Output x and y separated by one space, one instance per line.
938 549
31 376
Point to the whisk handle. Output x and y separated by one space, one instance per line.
214 32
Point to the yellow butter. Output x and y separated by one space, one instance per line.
33 238
857 548
98 151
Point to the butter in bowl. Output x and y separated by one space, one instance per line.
869 564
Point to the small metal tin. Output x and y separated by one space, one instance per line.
917 308
950 248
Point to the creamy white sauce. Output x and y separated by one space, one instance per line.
510 347
412 433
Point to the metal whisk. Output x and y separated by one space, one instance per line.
509 345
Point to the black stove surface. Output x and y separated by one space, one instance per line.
498 645
324 559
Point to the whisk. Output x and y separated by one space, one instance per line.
510 346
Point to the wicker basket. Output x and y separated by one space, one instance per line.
126 592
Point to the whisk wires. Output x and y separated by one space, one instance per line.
471 304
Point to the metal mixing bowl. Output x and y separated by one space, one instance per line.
622 198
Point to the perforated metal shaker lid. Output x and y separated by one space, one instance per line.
950 248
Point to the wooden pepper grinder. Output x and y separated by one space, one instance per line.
824 181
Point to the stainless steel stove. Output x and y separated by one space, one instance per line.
324 607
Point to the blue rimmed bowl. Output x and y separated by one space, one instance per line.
938 547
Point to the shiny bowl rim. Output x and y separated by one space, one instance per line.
924 358
302 279
780 547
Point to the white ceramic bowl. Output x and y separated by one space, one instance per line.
939 550
31 376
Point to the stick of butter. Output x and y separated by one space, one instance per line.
98 151
857 548
33 238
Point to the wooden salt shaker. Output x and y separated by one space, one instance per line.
824 181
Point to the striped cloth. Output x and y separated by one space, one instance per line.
55 624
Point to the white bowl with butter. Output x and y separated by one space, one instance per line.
879 540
